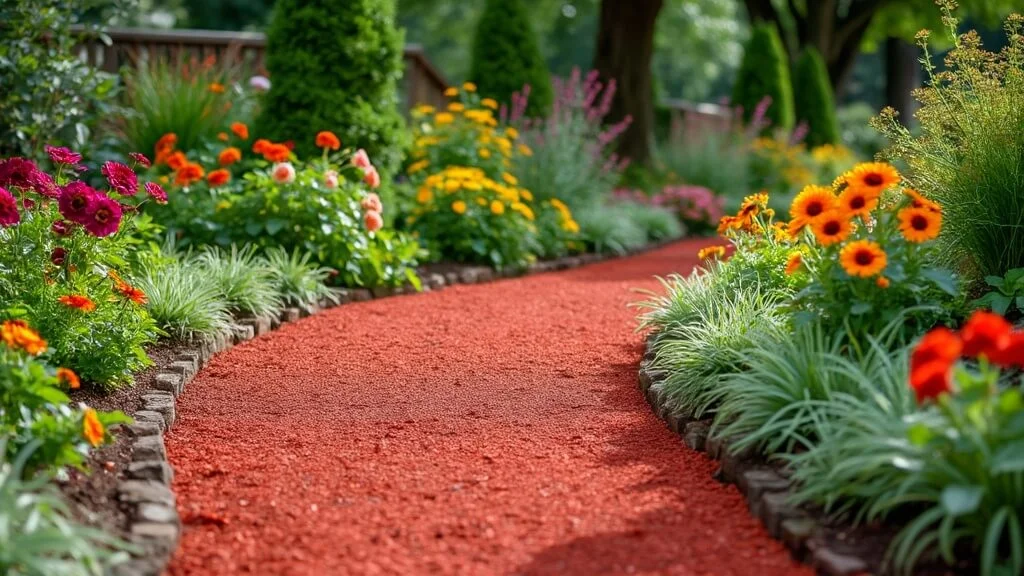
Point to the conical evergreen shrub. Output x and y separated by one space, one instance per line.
334 65
812 96
764 71
506 56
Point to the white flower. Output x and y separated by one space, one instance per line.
283 173
331 179
259 83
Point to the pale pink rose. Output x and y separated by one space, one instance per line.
371 177
361 159
373 221
372 203
283 173
331 179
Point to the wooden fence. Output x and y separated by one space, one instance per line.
422 83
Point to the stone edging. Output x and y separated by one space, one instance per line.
154 524
765 487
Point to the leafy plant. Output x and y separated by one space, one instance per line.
297 280
38 537
605 231
813 99
245 281
657 223
185 301
764 72
1009 291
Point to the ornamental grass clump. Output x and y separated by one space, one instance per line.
969 152
62 246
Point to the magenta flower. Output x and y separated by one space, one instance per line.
105 218
17 173
140 159
61 155
122 179
77 202
9 215
62 228
156 192
43 184
58 256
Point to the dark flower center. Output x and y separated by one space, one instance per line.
864 257
857 202
832 228
102 215
815 208
78 202
873 179
919 223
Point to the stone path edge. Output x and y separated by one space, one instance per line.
765 487
154 524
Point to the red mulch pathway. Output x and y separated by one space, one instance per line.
490 429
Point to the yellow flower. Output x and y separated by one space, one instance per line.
469 87
711 252
444 118
451 92
222 205
424 195
489 103
423 110
527 195
459 207
481 200
571 226
452 185
484 153
456 107
417 166
511 133
524 210
510 179
525 150
497 208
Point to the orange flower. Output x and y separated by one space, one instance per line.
919 224
78 301
858 202
726 223
711 253
831 228
17 335
176 160
92 428
127 290
794 262
167 142
218 177
919 201
222 136
216 87
229 156
188 174
240 130
985 334
276 153
883 282
810 204
940 345
260 146
872 177
327 139
67 376
863 258
930 381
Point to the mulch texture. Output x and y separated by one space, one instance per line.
486 429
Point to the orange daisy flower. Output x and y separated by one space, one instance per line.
190 173
810 204
919 201
92 428
831 228
218 177
711 252
177 160
67 376
872 177
863 258
919 224
78 301
16 334
858 202
240 129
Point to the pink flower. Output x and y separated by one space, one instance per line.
77 201
156 192
331 179
283 173
122 179
62 228
18 173
9 215
58 256
44 184
372 203
361 160
140 159
105 218
371 177
373 221
61 155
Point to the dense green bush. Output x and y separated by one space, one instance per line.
335 65
813 99
764 72
506 56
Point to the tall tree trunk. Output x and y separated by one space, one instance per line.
625 46
902 77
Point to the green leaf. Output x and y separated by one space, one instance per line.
994 281
1009 458
860 308
919 434
52 395
274 225
942 278
960 499
994 301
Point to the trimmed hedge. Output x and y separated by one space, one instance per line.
506 56
765 72
334 65
812 94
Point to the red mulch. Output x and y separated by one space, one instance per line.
490 429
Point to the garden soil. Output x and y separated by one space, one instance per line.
486 429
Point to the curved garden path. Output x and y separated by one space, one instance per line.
488 429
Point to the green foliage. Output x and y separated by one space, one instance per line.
49 96
298 281
969 154
855 131
335 65
1009 291
605 230
185 301
245 281
813 99
657 223
764 72
719 162
39 538
506 57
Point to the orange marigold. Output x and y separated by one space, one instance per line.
793 263
222 136
218 177
327 139
276 153
260 146
190 173
78 301
176 160
68 377
17 335
92 428
167 142
240 129
217 87
229 156
711 252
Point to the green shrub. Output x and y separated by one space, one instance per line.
335 65
506 57
605 230
700 160
245 281
39 538
813 100
764 72
969 152
297 280
185 301
657 223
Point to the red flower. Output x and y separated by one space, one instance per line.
218 178
930 380
77 202
66 376
260 146
105 218
939 345
78 301
156 192
240 130
140 159
327 139
985 334
276 153
18 173
1013 354
121 178
61 155
9 215
58 256
62 228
